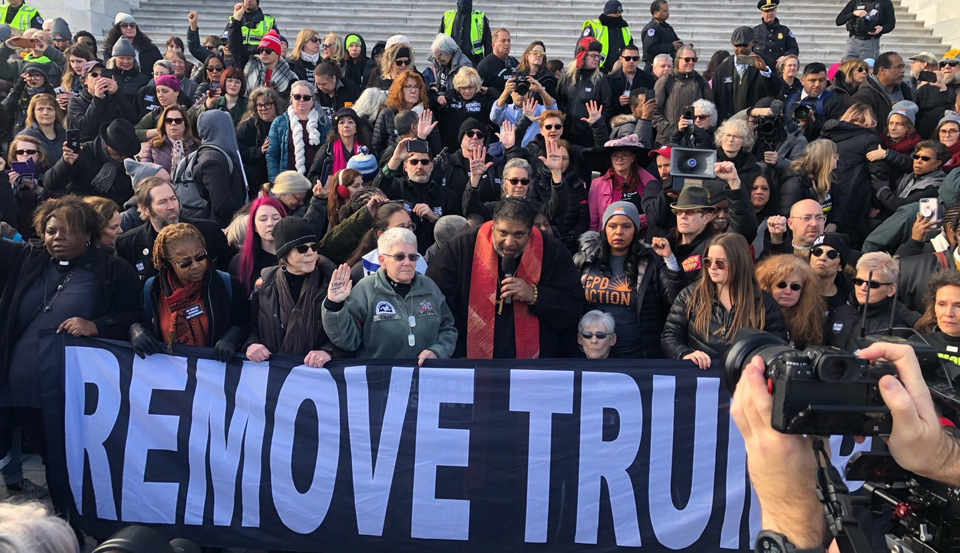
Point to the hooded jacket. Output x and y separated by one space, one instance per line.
910 189
226 188
356 71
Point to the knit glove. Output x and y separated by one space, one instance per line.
143 342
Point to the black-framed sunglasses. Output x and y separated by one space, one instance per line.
553 127
858 282
314 39
199 259
173 120
399 257
630 58
922 158
402 62
720 263
301 97
702 117
415 162
263 51
515 181
795 286
302 248
212 68
599 335
473 133
831 254
950 63
22 152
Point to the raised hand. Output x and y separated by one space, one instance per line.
238 11
478 164
554 159
340 284
192 19
507 135
727 171
661 247
530 109
425 124
593 113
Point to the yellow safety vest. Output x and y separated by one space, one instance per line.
600 33
253 36
22 20
476 28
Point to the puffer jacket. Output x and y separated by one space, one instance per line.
656 290
847 322
679 340
910 189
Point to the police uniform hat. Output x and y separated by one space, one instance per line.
767 5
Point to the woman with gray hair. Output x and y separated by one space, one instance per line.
517 183
30 528
596 334
445 60
394 313
697 132
734 139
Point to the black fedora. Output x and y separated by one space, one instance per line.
692 197
121 137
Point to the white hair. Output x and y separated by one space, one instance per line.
662 57
709 108
884 266
597 317
443 45
30 528
368 105
394 236
518 163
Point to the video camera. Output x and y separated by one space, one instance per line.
140 539
768 127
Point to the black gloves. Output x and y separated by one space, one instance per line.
143 342
228 344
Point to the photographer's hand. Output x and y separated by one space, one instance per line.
782 467
917 441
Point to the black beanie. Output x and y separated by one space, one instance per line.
290 232
837 241
467 125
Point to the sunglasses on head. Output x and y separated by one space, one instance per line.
415 162
858 282
22 152
473 133
199 259
399 257
516 181
922 158
128 25
950 63
599 335
553 127
795 286
402 62
831 254
174 120
301 97
302 248
720 263
630 58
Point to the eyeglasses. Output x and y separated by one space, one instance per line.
174 120
212 68
302 248
418 161
473 133
518 181
949 131
403 62
622 156
412 87
831 254
399 257
411 226
301 97
128 25
795 286
858 282
720 263
922 158
24 152
630 58
689 60
265 106
314 39
199 259
950 63
732 136
808 218
553 127
599 335
593 55
703 117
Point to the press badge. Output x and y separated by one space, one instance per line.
194 311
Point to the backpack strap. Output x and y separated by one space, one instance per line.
225 277
942 259
148 309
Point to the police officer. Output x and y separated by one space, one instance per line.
20 16
611 31
658 36
773 40
254 25
470 28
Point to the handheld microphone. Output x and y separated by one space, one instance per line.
508 264
777 108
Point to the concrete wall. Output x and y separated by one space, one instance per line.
941 15
95 16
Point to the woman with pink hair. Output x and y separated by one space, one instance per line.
258 251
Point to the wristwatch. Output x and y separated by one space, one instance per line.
772 542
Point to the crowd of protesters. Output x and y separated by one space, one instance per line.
323 198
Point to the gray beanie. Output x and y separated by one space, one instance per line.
950 116
622 208
124 18
60 30
124 48
139 170
907 109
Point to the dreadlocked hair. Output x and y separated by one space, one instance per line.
169 236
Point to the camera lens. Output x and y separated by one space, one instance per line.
748 343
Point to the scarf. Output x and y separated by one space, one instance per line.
954 162
905 146
296 131
177 303
103 181
484 287
340 158
177 154
296 333
310 58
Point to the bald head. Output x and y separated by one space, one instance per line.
806 222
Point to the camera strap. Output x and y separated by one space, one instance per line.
838 505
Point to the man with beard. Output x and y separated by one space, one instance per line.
829 255
805 224
526 311
159 207
934 98
424 199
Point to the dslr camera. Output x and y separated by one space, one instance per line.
520 79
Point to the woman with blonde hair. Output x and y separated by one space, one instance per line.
395 60
43 122
332 48
408 91
72 81
305 54
796 289
811 177
848 78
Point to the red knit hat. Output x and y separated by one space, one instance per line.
271 41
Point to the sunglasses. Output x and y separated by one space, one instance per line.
553 127
199 259
599 335
858 282
301 97
475 134
212 68
94 75
630 58
701 117
128 25
795 286
861 70
688 60
327 45
302 248
399 257
950 63
740 45
22 152
518 181
174 120
263 51
314 39
720 263
265 106
831 254
415 162
402 62
922 158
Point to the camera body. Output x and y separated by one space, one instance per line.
768 131
801 113
520 79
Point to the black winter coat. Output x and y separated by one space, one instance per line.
228 312
136 246
872 94
344 95
251 134
678 336
385 136
441 199
915 271
796 187
846 323
78 178
572 98
87 113
616 83
116 300
757 87
225 189
932 103
458 110
885 17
